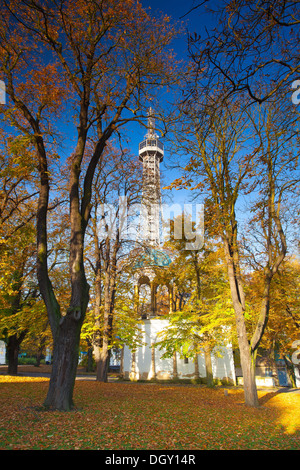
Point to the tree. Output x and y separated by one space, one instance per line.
220 166
113 198
283 325
16 294
104 58
251 44
202 314
17 210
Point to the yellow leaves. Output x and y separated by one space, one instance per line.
287 405
19 379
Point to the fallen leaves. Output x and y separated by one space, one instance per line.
20 379
142 416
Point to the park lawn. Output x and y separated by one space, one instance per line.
119 416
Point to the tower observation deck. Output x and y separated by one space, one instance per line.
151 153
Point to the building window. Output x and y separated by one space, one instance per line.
186 360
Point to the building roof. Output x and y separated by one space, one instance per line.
152 257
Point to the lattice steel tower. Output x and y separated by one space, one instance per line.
151 153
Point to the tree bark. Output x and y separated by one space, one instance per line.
153 365
109 303
196 363
89 366
132 375
208 365
65 361
248 367
122 362
102 364
175 370
13 347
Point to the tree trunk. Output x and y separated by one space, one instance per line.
102 362
238 300
290 370
247 362
102 355
13 347
89 365
40 351
196 363
14 341
109 303
153 366
65 361
132 374
175 370
122 362
208 366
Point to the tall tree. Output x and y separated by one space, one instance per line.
283 325
223 168
251 44
112 200
105 58
17 211
201 301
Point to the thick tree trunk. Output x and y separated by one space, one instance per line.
103 362
247 361
66 329
238 300
65 361
13 347
290 370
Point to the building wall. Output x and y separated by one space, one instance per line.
2 352
149 363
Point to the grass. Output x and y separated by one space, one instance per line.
151 416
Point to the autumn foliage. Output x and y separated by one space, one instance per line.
146 416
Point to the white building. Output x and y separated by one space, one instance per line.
147 362
2 352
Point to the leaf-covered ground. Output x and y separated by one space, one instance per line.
146 416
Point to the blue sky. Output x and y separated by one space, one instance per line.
194 21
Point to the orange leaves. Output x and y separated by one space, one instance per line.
146 416
42 86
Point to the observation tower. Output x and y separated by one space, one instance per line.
151 153
150 257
